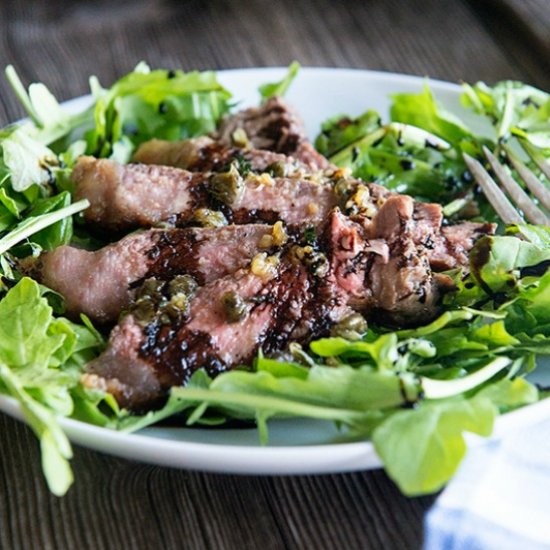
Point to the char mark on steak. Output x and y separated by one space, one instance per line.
125 197
106 277
274 126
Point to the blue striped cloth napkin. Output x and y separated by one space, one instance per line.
500 497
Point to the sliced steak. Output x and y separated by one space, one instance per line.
447 247
121 371
209 337
381 273
124 197
403 287
132 195
97 283
107 276
381 268
351 255
293 201
451 247
274 126
203 154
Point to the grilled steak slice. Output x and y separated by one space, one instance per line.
351 255
274 126
381 268
403 287
450 248
107 276
203 154
121 371
447 247
132 195
209 337
124 197
293 201
97 283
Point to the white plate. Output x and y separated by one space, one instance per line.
296 446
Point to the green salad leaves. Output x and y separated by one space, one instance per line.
415 393
165 104
42 355
40 361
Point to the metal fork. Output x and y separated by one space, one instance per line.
500 202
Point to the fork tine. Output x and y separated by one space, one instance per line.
517 194
538 159
533 183
495 196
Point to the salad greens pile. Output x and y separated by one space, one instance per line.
413 392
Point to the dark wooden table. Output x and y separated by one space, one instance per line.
116 503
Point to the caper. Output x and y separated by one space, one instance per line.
177 307
316 261
319 265
351 327
228 186
182 285
240 139
144 311
344 188
278 169
234 306
209 218
151 288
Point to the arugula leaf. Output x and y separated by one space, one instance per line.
58 233
56 449
383 350
39 358
261 396
52 125
23 336
515 108
33 225
280 88
28 161
403 157
422 110
496 262
510 394
422 448
162 104
343 387
341 131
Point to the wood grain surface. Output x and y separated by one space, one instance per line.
116 503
